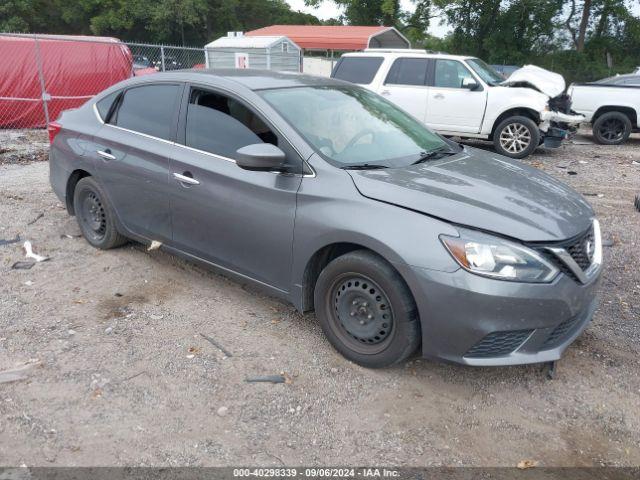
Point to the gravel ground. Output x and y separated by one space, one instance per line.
116 372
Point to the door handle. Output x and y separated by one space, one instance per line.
186 177
385 92
439 96
106 154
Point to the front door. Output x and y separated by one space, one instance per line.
130 155
452 107
237 219
405 86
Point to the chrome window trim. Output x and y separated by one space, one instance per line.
264 115
220 157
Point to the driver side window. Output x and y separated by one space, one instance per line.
450 74
221 125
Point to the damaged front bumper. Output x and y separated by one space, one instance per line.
557 126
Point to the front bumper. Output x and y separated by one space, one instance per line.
473 320
558 126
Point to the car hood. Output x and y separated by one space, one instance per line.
483 190
549 83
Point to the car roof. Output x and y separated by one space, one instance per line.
617 78
253 79
399 52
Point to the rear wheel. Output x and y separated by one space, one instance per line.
612 128
516 137
366 310
95 216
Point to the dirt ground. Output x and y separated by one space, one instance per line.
115 371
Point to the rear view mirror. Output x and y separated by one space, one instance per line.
261 157
469 83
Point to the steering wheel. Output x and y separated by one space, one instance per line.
358 136
321 142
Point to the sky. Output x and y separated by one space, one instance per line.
328 9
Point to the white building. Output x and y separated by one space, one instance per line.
264 52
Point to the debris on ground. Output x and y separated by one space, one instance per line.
524 464
9 241
22 265
155 245
222 411
572 172
66 235
216 344
19 373
636 203
30 254
281 378
40 215
266 379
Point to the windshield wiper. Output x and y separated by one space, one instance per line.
363 166
434 154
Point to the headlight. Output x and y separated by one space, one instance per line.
498 258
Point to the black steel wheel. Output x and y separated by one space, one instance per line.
366 310
612 128
362 314
95 216
92 215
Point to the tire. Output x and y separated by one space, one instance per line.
516 137
366 310
612 128
95 216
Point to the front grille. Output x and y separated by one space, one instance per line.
498 344
560 333
576 247
578 251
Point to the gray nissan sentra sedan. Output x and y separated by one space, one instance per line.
332 198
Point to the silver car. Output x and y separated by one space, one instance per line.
329 196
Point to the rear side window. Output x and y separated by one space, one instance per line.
103 106
357 69
221 125
149 109
408 71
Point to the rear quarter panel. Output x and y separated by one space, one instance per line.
69 149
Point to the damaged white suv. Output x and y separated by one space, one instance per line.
464 97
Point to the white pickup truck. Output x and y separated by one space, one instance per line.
611 105
464 97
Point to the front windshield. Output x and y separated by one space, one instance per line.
351 126
486 72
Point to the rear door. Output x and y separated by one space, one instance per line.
130 154
405 85
237 219
451 106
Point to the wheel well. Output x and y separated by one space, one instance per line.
524 112
628 111
316 264
74 178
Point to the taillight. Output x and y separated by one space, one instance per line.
54 129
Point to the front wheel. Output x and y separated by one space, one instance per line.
516 137
612 128
366 310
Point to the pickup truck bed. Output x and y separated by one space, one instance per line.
613 110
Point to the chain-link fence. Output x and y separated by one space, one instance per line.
42 75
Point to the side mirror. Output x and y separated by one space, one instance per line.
470 83
260 157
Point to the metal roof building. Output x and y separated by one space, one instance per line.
337 38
